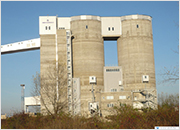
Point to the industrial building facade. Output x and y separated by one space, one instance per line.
78 42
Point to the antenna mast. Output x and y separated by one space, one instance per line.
22 97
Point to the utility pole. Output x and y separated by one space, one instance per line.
93 97
22 97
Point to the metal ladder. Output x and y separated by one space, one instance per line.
69 70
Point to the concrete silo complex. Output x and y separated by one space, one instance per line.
77 43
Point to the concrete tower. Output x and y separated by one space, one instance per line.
88 54
53 51
135 51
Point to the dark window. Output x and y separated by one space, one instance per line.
49 28
86 27
137 26
112 28
109 28
46 27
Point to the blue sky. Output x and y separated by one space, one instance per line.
20 21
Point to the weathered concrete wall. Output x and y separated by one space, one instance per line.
47 52
116 101
136 54
88 56
48 66
88 50
112 76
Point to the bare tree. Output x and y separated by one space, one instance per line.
171 74
51 86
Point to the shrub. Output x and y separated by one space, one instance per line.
124 117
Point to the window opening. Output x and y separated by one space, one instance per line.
113 90
109 28
46 27
86 27
112 28
110 105
110 97
49 27
137 26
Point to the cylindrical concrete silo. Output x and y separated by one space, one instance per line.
88 48
88 55
135 51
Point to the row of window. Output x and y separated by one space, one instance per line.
62 28
109 29
110 105
48 28
113 90
33 44
110 70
